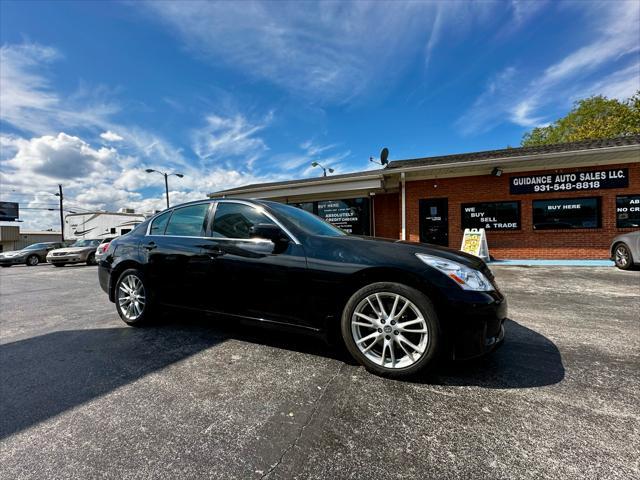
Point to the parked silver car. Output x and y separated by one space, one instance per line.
625 250
83 251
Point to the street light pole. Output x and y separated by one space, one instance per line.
166 180
324 170
60 197
166 187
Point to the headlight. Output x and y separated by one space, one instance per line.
467 278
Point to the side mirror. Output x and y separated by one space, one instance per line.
268 231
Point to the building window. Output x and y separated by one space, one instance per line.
491 215
566 213
113 230
351 215
628 211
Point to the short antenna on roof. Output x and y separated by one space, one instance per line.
384 157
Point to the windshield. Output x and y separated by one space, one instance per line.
36 246
306 221
86 243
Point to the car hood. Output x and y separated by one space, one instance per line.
73 250
15 253
394 247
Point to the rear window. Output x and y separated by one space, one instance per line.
188 221
159 224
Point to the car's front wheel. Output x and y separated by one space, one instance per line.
32 260
622 257
132 298
391 329
91 259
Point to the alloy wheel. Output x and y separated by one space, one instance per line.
389 330
622 256
33 260
131 297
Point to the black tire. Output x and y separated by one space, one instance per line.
91 259
426 309
32 260
58 264
622 256
148 311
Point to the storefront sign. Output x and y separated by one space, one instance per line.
566 213
628 211
491 215
569 182
351 215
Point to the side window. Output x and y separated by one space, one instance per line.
159 224
234 220
188 221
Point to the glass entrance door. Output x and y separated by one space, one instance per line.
434 221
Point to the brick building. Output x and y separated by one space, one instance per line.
564 201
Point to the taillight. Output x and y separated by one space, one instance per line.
104 247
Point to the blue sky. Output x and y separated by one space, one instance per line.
234 93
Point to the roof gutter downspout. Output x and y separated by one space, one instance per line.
403 232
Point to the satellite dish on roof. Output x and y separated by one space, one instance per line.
384 155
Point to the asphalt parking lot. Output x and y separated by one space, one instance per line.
85 396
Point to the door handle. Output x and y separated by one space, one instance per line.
215 252
150 246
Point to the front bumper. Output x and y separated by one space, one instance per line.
476 326
70 258
13 260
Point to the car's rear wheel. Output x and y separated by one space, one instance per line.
622 257
132 298
391 329
91 259
32 260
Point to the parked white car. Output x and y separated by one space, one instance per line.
103 247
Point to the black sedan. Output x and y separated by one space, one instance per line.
396 304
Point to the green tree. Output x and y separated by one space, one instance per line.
594 117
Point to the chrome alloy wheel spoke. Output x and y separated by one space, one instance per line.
131 297
389 330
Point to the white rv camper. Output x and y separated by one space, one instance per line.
100 224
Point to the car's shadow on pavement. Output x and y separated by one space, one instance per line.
527 359
43 376
46 375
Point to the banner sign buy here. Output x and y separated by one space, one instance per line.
570 182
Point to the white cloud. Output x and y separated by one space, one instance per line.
110 136
60 157
229 137
528 99
28 102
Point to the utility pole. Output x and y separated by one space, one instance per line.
59 194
